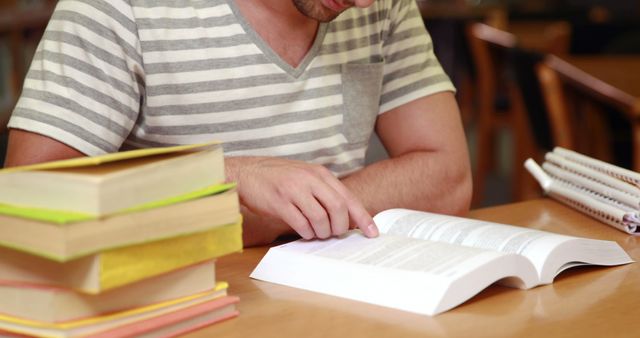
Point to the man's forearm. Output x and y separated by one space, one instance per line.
420 180
305 197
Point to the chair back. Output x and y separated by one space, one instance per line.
585 114
523 65
500 107
510 97
488 46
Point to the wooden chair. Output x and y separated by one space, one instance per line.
589 115
499 107
509 98
553 37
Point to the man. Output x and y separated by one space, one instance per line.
293 87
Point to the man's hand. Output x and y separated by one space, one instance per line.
307 197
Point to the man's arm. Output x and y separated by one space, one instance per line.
428 170
25 147
429 165
280 195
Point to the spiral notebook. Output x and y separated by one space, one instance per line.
601 190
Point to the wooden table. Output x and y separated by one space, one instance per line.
614 78
583 302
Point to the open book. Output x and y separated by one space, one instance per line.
601 190
429 263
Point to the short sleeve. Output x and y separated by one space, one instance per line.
84 87
411 68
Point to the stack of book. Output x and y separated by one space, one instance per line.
602 190
118 245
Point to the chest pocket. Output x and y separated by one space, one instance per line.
362 86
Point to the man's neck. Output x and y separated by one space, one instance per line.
288 32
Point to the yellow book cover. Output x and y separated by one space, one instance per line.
112 268
112 157
128 264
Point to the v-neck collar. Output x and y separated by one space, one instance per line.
270 53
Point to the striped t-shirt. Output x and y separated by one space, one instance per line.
123 74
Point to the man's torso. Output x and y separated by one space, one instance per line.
214 77
127 74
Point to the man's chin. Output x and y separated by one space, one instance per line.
328 18
322 17
319 13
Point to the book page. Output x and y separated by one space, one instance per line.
396 252
533 244
399 272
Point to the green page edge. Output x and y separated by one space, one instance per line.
62 217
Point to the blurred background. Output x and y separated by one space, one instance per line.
22 23
530 74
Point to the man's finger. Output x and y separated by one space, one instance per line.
315 214
296 220
358 215
336 207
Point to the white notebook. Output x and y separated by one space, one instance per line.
602 190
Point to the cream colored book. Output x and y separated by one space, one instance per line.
429 263
55 304
117 267
110 183
64 242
